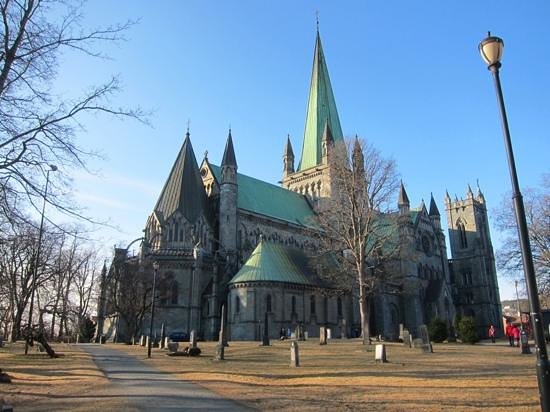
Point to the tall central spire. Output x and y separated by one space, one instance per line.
321 109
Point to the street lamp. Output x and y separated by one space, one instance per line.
52 168
155 269
491 49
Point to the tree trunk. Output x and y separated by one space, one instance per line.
364 307
16 327
365 319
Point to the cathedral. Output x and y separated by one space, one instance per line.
222 238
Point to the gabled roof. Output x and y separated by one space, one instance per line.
321 109
270 200
273 262
183 190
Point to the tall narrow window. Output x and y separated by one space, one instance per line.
293 304
462 234
312 304
268 303
162 292
237 304
339 306
175 293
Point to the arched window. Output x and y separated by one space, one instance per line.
339 306
237 304
268 303
312 304
419 269
162 294
175 293
176 230
293 304
462 234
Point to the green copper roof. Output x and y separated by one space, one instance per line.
272 262
321 108
183 190
270 200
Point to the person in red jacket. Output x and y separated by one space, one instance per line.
492 333
510 333
516 332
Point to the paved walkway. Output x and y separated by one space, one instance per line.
146 388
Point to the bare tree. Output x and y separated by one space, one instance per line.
537 212
127 294
356 231
37 127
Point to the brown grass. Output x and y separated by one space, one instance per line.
339 376
344 376
41 383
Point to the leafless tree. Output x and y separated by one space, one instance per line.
128 287
537 212
37 126
63 286
356 231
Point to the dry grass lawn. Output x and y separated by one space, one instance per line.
42 383
339 376
344 376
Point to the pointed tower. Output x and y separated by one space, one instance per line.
322 129
228 199
321 109
358 160
288 159
479 195
403 202
434 213
447 198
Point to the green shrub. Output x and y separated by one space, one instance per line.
437 330
456 321
467 331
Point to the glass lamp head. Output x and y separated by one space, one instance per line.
491 49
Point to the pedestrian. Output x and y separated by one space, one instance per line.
510 333
492 333
516 334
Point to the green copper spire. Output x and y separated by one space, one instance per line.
321 109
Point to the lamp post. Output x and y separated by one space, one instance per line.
491 49
155 269
52 168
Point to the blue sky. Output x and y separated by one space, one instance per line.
406 76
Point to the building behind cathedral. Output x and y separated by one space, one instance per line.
224 238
